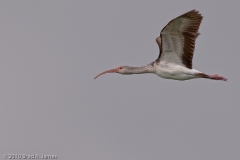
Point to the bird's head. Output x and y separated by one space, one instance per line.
120 70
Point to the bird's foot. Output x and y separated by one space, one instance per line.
217 77
213 77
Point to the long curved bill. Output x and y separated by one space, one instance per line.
116 70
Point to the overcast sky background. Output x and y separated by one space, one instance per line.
50 104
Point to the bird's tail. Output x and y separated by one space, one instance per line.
213 77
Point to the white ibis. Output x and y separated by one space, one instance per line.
176 44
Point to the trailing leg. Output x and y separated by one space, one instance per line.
213 77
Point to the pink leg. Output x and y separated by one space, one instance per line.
217 77
213 77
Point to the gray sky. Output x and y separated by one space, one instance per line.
50 104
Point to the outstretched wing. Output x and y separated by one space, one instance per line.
177 39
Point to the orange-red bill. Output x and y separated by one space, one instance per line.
116 70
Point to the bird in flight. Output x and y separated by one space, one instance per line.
176 47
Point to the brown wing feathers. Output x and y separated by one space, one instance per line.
190 34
